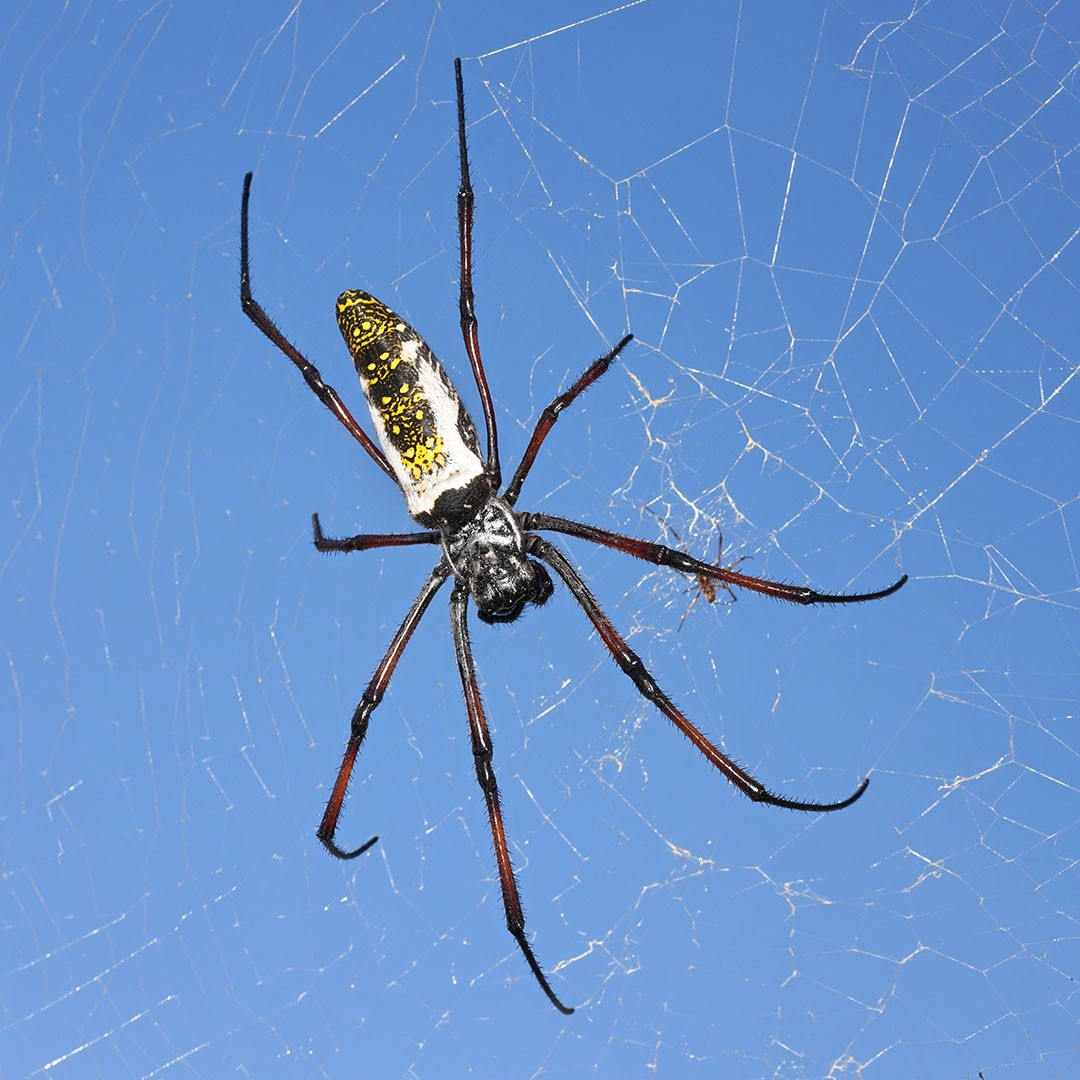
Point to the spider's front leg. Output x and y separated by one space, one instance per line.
323 391
562 401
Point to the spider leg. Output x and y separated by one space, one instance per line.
466 298
698 593
730 566
367 541
639 675
372 696
660 555
485 775
326 394
551 414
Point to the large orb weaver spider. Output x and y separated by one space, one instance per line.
493 553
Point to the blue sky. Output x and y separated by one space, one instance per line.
843 236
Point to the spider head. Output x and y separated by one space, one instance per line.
488 556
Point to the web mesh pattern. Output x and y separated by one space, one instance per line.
844 237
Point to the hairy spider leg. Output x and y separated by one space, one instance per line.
485 775
466 299
548 417
646 685
659 555
367 541
369 702
323 391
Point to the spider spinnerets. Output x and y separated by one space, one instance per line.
429 446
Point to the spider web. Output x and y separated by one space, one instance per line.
844 238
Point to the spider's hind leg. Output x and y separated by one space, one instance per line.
485 775
639 675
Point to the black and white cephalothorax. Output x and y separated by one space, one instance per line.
488 554
494 553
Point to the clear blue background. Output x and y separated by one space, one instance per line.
844 235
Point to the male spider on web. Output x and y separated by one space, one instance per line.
703 586
491 551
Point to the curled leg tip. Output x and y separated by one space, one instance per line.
341 853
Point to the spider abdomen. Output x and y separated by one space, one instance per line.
423 427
